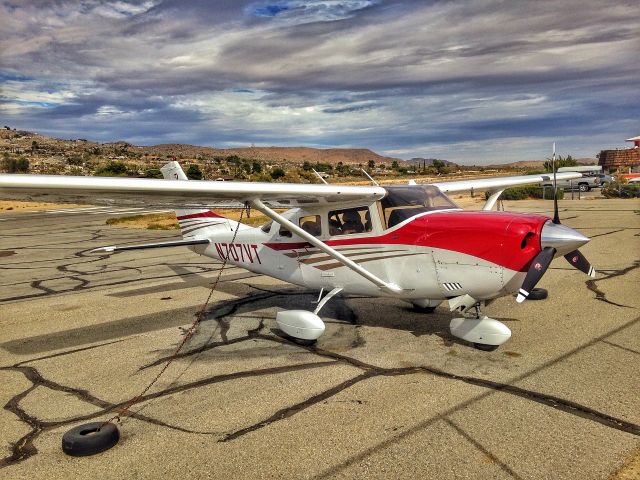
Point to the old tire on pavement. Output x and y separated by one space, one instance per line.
538 294
90 438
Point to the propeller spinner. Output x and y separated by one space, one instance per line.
555 239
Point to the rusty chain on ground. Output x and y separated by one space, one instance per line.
124 410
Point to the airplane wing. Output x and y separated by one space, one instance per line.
181 194
500 183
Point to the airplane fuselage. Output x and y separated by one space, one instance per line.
435 255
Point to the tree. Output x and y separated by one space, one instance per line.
306 166
567 161
395 165
277 173
256 167
371 164
194 172
440 166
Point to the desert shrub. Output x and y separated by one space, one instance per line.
152 173
528 191
194 172
621 190
15 165
277 173
112 169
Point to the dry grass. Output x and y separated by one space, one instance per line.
630 470
168 221
16 206
155 221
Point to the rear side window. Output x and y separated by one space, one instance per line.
311 224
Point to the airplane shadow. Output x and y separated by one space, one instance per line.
342 311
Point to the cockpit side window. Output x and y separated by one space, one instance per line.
349 221
402 203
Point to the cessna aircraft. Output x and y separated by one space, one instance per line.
409 242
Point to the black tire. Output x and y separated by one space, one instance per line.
538 294
484 347
424 309
584 187
303 343
89 439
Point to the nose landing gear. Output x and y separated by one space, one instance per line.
485 333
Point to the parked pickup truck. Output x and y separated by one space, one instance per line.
584 184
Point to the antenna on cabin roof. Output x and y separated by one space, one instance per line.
369 176
320 177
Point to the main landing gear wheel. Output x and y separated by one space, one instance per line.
89 439
538 294
302 342
425 305
484 347
420 309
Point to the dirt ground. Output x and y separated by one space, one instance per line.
15 206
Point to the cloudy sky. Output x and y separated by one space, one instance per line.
479 81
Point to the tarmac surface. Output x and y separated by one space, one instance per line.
385 393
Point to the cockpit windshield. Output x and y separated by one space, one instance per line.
407 201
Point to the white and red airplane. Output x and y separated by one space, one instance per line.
409 242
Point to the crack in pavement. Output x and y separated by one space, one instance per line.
579 411
600 295
24 447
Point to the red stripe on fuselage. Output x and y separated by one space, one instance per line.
201 214
288 246
496 237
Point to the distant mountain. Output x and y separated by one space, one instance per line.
274 155
536 164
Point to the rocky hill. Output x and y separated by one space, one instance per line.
23 142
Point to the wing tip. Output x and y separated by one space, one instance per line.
108 249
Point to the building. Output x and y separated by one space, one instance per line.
635 140
625 160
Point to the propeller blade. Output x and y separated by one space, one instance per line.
538 266
556 215
576 259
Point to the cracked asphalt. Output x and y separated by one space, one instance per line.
385 393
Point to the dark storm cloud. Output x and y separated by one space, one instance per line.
407 77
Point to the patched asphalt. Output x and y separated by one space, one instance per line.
385 393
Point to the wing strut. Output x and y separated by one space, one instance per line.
292 227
